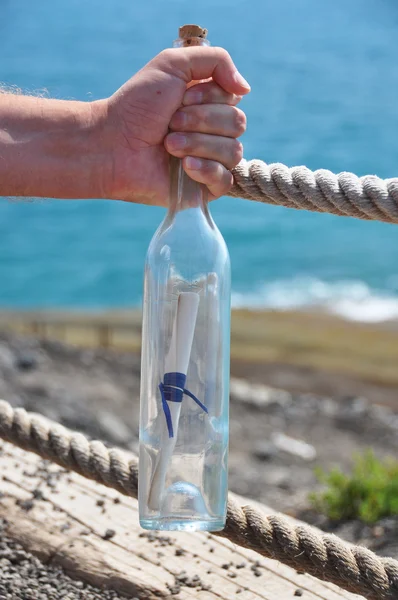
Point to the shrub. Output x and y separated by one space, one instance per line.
369 493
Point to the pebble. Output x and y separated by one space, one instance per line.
24 577
26 361
256 569
265 450
378 531
26 504
109 534
37 494
7 358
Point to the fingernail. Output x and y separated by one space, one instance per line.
242 81
177 141
179 119
193 163
193 97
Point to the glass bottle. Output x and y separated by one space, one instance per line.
184 420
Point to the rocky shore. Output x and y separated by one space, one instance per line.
277 437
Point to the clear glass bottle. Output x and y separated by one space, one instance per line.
184 421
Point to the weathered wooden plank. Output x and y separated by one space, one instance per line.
67 524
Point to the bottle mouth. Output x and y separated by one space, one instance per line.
190 31
191 35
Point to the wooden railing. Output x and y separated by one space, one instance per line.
108 329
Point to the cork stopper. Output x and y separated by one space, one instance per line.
192 35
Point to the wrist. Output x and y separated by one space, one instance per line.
77 147
51 148
99 144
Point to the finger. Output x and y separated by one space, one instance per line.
209 93
227 151
196 63
211 173
216 119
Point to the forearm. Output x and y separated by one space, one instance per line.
50 148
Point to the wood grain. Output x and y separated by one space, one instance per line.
93 533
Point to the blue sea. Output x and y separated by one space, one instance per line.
324 79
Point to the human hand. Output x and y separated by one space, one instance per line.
167 108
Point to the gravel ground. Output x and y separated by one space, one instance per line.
97 392
24 577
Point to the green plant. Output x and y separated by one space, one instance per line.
369 493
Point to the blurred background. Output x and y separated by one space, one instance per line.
314 340
324 94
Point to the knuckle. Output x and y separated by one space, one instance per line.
232 99
200 118
164 56
171 63
210 170
195 116
214 174
240 121
226 184
223 184
237 152
176 120
222 53
206 118
189 146
184 119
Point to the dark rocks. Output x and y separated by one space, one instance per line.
265 450
24 577
255 568
352 414
155 538
26 361
109 534
7 358
26 505
193 581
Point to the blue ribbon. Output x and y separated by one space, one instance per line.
172 390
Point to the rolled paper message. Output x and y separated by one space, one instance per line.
172 390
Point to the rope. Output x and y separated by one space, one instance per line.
324 556
345 194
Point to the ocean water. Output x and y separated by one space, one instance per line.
324 79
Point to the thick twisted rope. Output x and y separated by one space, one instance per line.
344 194
324 556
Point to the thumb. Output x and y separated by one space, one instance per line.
202 62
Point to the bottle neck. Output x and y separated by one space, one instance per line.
185 193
